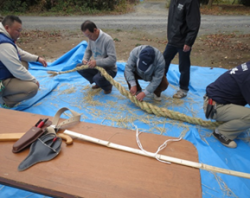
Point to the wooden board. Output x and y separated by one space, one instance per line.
88 170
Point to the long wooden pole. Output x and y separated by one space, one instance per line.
161 157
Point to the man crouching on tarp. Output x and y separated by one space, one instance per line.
101 48
225 100
146 63
16 83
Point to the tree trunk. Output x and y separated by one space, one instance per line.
210 3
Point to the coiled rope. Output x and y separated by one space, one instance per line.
149 108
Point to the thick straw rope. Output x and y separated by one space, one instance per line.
149 108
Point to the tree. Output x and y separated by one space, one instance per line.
245 2
203 2
210 2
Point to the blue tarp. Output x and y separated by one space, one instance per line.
72 91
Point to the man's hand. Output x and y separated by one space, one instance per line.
133 90
42 60
84 62
38 84
140 96
186 48
92 63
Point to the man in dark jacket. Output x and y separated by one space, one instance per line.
225 100
183 27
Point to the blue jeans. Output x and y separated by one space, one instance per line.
94 76
184 64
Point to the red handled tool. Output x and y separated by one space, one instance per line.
210 109
53 141
41 123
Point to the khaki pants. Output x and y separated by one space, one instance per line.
236 118
17 90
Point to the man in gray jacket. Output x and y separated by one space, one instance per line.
147 63
16 83
101 46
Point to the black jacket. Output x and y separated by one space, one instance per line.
232 87
183 22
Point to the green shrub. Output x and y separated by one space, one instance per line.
58 5
245 2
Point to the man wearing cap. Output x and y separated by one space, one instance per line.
147 63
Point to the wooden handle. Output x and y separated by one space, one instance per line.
10 137
16 136
65 137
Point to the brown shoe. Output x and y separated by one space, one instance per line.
95 87
109 91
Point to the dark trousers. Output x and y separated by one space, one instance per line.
162 86
184 64
94 76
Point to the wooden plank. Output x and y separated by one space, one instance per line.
88 170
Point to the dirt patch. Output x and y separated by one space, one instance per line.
216 50
225 10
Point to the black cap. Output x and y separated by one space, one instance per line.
146 58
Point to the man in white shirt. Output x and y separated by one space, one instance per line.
16 83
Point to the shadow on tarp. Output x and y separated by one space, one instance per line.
72 91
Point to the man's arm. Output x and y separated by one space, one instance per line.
87 54
245 89
10 59
157 77
130 67
193 21
28 57
110 59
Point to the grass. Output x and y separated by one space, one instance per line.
225 9
123 8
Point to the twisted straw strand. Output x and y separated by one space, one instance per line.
149 108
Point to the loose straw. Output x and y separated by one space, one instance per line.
149 108
161 157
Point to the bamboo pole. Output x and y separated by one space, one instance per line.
160 157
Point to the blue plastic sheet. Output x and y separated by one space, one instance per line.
72 91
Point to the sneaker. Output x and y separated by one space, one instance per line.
180 94
157 98
95 87
108 92
224 140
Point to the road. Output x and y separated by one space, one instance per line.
148 16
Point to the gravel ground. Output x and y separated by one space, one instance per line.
149 16
146 25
